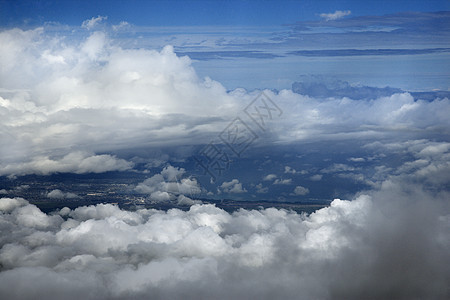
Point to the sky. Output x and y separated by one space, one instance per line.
339 103
200 12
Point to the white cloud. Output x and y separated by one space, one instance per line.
283 181
336 167
58 194
104 252
60 96
233 186
269 177
316 177
168 185
300 190
186 201
338 14
122 25
261 190
93 22
68 95
289 170
75 162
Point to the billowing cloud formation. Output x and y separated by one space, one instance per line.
170 185
393 241
233 186
80 98
336 15
86 98
397 116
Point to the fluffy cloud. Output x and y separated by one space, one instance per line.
62 96
398 116
300 191
233 186
104 252
58 194
269 177
316 177
169 185
289 170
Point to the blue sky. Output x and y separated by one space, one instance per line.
201 12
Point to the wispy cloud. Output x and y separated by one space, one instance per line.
92 23
336 15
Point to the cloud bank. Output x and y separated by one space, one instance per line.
62 100
70 103
392 242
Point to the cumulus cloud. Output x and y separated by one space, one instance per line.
269 177
88 94
300 190
338 14
316 177
357 159
168 185
289 170
103 252
58 194
63 96
283 181
233 186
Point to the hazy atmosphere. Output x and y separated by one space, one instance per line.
224 149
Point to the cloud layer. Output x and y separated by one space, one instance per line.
69 103
394 241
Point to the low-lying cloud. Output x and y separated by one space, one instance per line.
393 241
